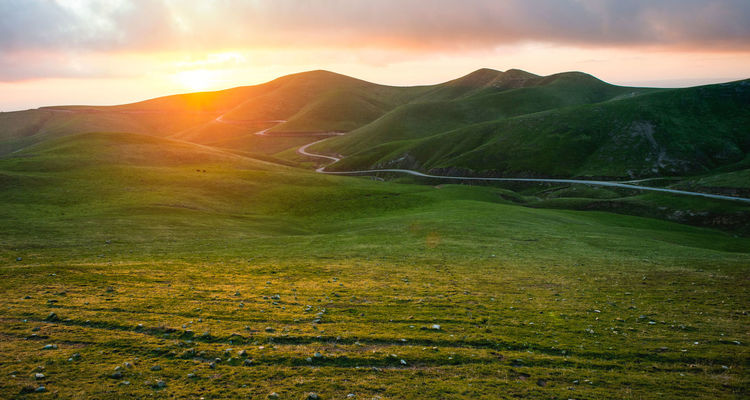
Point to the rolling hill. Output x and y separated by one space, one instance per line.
487 123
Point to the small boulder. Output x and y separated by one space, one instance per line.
50 347
39 375
313 396
273 395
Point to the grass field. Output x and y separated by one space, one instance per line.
157 268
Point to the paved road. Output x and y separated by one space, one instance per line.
303 150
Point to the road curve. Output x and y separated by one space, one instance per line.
303 151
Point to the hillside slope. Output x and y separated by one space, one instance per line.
666 132
494 95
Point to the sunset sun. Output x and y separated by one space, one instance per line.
197 79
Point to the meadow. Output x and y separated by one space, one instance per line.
133 266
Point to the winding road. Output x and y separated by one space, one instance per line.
303 151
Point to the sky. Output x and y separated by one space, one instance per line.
101 52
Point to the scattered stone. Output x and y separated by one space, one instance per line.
313 396
52 317
191 376
541 382
50 347
276 297
160 384
26 297
125 383
19 258
351 396
40 389
116 375
403 362
242 353
273 395
212 365
237 293
39 375
435 327
248 362
156 368
317 355
269 329
188 353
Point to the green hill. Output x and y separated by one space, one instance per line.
495 96
635 134
488 122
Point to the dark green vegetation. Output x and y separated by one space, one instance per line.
659 133
135 246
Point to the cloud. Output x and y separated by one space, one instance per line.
111 26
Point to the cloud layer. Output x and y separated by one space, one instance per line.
38 32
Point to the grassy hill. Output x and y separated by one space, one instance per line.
486 123
312 102
665 132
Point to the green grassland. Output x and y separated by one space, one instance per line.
133 251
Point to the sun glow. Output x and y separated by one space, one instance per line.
196 79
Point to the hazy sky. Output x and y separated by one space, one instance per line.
116 51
